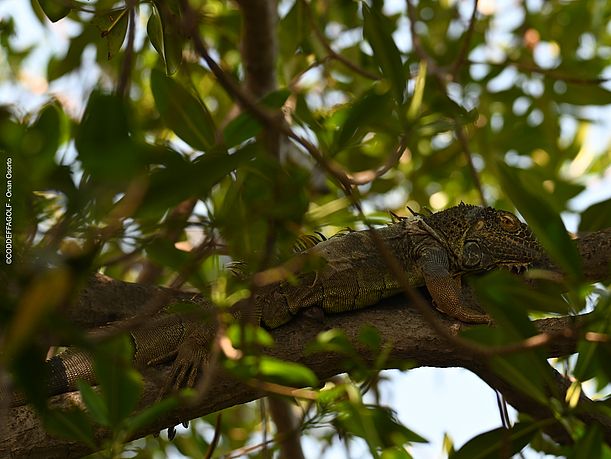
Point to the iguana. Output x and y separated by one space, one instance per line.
434 251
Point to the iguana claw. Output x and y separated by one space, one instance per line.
188 359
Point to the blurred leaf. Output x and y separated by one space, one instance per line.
395 453
583 94
596 217
513 293
360 114
164 31
73 425
106 149
121 385
182 112
590 445
375 424
370 336
150 414
332 341
41 141
112 27
592 356
54 10
45 293
523 372
58 67
154 31
187 179
251 334
499 442
293 29
545 223
376 31
289 373
245 126
94 403
416 103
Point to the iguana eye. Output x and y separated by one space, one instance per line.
509 222
472 254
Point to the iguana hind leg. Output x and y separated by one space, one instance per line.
444 289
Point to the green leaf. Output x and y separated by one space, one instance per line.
54 10
370 108
416 103
512 293
370 336
522 374
593 357
251 334
150 414
154 30
376 30
545 223
333 340
289 373
395 453
170 45
182 112
121 385
376 424
187 179
589 445
72 424
105 147
165 35
499 442
112 27
245 126
583 94
596 217
94 403
41 141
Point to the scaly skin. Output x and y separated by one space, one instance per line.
434 251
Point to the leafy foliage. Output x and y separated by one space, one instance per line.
423 105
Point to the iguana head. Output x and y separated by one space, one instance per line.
482 238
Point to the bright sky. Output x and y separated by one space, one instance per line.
429 401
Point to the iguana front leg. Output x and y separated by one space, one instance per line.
444 289
188 358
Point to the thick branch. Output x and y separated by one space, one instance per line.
259 45
106 300
412 340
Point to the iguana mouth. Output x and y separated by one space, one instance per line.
516 268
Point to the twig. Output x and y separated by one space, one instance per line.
464 143
247 103
217 436
126 67
462 55
364 177
332 53
551 74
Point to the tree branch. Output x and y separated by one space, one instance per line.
413 340
396 320
105 299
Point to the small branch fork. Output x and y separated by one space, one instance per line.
331 52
